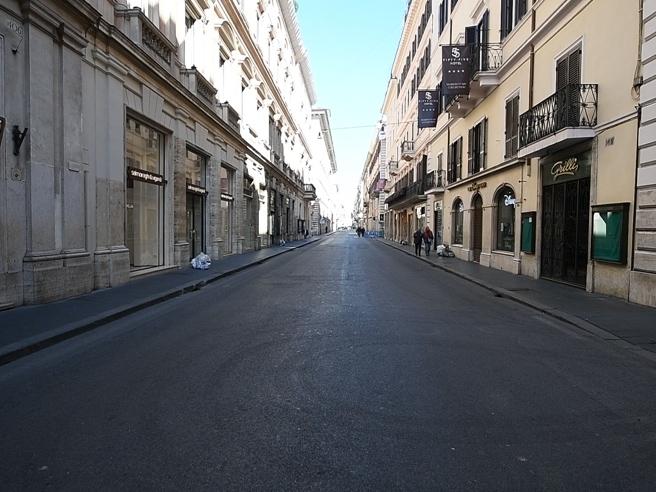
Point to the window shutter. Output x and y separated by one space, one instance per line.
574 69
562 74
509 120
506 17
482 144
470 35
514 144
459 156
521 10
470 151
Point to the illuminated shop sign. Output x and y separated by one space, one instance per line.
198 190
146 176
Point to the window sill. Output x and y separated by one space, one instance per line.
503 252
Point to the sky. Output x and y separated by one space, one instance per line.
351 46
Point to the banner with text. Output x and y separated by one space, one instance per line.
456 69
429 105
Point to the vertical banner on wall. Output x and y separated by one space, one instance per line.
456 69
428 109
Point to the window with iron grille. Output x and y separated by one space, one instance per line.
477 148
512 127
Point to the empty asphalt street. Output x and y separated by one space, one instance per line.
344 365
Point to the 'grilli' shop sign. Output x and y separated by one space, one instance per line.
567 169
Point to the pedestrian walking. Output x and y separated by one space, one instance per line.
428 239
418 237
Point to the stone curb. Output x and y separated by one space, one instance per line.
17 350
548 310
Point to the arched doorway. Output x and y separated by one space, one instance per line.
477 228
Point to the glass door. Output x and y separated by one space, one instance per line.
195 224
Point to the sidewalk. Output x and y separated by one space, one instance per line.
27 329
607 317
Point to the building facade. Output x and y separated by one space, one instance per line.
643 274
138 134
531 169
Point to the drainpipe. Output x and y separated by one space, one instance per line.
636 89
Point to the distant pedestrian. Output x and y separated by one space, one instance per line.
418 237
428 239
306 233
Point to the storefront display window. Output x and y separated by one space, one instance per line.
458 221
144 158
610 232
506 219
195 165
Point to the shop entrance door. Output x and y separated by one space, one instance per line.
195 224
565 214
437 227
477 227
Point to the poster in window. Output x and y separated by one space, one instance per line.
528 232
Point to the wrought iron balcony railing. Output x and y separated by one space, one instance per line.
434 179
398 195
408 149
393 167
575 105
417 188
486 57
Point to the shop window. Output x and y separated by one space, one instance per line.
226 211
505 204
458 221
528 232
610 224
144 221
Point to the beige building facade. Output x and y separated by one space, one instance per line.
533 171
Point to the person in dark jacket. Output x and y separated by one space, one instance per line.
418 237
428 239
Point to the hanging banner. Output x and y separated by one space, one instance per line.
428 109
456 69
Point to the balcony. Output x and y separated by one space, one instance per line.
485 62
393 167
143 32
434 182
309 192
229 115
407 196
408 150
199 85
565 118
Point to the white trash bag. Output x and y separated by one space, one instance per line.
443 250
201 262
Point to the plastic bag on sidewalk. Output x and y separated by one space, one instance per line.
443 250
201 262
